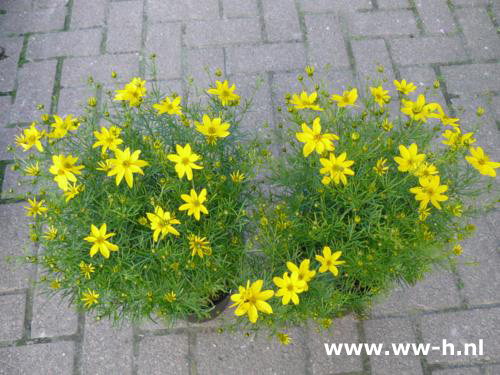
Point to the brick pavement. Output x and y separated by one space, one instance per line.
52 46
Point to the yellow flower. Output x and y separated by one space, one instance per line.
305 101
404 87
455 139
314 140
329 261
237 177
194 203
456 210
29 138
162 222
430 191
224 92
171 107
55 284
387 125
86 269
126 164
303 272
73 191
410 159
423 213
199 246
106 139
426 170
90 297
348 98
290 287
252 299
213 128
336 168
481 162
62 127
64 169
104 166
380 95
443 116
380 168
457 250
133 92
32 170
417 110
35 208
185 161
284 338
309 70
50 234
170 297
99 239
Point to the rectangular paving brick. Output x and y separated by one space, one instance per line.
320 6
394 22
15 185
459 328
469 3
275 57
7 138
393 4
164 40
12 316
482 39
52 316
239 8
87 13
222 32
124 26
8 64
43 4
436 16
153 357
458 371
367 55
16 5
326 43
69 43
74 100
41 20
472 78
199 61
427 50
282 20
5 105
174 10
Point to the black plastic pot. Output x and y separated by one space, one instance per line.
218 307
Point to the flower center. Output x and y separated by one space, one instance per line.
290 287
126 164
185 161
212 130
196 203
338 168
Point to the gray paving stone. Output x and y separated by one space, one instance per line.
164 355
7 137
52 316
389 331
8 64
14 241
343 330
282 21
427 50
239 8
69 43
472 78
76 71
5 105
460 328
275 57
199 61
16 5
12 316
492 370
14 185
394 22
222 32
164 40
393 4
158 324
87 14
470 3
41 20
74 100
326 43
124 26
436 16
458 371
39 359
42 4
173 10
367 55
320 6
237 353
106 349
482 39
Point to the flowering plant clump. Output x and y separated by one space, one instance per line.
141 203
360 199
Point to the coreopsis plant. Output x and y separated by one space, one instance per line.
364 195
140 205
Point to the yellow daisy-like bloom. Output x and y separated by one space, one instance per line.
380 168
404 87
104 166
284 338
64 169
252 299
449 121
170 297
336 169
305 101
347 99
380 95
237 177
213 128
430 191
303 272
62 127
410 159
387 125
481 162
98 237
50 234
106 139
426 170
423 213
290 287
162 223
32 169
90 297
171 107
314 140
199 246
35 208
457 250
418 110
329 261
194 203
455 139
185 161
86 269
224 92
55 284
125 165
133 92
73 190
29 138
